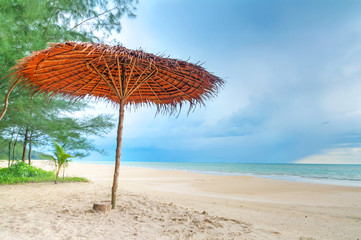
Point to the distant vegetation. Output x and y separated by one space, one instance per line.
18 152
24 173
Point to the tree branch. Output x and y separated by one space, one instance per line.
7 98
86 20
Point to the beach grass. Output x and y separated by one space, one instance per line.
24 173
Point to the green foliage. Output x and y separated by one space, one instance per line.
27 26
46 120
60 159
75 179
71 133
60 156
24 173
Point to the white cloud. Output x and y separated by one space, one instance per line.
341 155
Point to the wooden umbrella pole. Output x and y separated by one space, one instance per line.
118 154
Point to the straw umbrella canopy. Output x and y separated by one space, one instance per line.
122 76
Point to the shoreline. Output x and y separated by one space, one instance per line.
285 177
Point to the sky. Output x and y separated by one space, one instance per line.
293 82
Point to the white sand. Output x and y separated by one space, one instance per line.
156 204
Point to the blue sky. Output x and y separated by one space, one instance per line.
293 72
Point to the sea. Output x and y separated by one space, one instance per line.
335 174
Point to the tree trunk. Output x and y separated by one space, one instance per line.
30 139
104 207
11 140
16 140
57 175
118 154
7 99
9 152
25 143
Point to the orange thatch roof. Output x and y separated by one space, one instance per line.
78 70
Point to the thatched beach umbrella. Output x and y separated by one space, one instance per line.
123 76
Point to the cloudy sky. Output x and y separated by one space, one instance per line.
293 72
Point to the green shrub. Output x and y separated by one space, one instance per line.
75 179
22 173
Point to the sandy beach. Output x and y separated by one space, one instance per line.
156 204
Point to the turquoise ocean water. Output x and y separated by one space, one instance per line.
336 174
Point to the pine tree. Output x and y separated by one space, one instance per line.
27 26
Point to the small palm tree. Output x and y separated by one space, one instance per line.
60 159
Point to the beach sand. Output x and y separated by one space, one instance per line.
157 204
